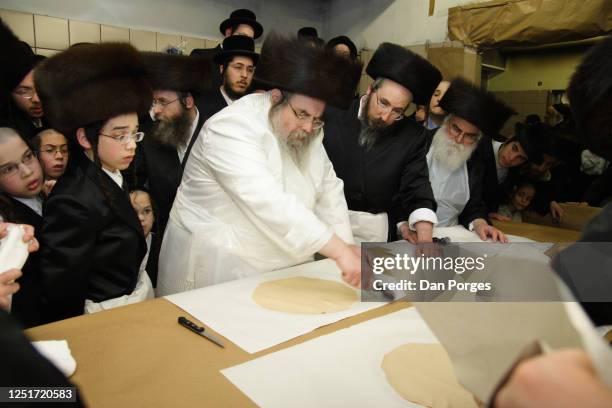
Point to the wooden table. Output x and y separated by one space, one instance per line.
139 356
537 232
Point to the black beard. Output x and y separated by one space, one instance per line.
374 130
173 132
233 95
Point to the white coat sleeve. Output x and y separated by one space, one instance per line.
235 154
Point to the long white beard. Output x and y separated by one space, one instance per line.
447 152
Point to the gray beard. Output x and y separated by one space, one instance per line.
449 154
173 132
294 143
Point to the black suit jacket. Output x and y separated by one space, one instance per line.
23 366
492 193
27 303
91 248
210 53
475 207
211 102
391 176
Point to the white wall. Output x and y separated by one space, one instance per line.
367 22
406 22
200 18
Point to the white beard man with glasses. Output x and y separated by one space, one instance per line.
259 193
456 178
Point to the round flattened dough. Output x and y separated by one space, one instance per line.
305 295
423 374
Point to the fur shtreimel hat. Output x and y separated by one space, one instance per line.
92 83
589 93
478 107
18 59
407 69
178 73
295 66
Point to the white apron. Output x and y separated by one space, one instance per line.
369 227
451 190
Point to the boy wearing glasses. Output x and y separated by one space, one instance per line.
93 241
455 179
380 155
21 183
53 152
258 192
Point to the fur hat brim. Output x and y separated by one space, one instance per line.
178 73
589 92
406 68
294 65
478 107
92 83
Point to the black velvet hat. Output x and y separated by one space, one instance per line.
528 137
92 83
237 45
590 93
307 32
242 16
179 73
295 66
407 69
346 41
478 107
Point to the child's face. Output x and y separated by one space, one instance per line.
142 205
20 172
522 197
115 155
53 154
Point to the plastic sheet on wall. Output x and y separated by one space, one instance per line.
529 22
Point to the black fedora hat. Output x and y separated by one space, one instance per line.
237 45
242 16
343 39
308 32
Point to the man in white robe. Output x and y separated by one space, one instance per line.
259 193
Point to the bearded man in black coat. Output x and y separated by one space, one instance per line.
380 155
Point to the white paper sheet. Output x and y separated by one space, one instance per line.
229 309
341 369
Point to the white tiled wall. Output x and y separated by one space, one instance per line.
49 35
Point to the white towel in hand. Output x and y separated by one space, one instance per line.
58 352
